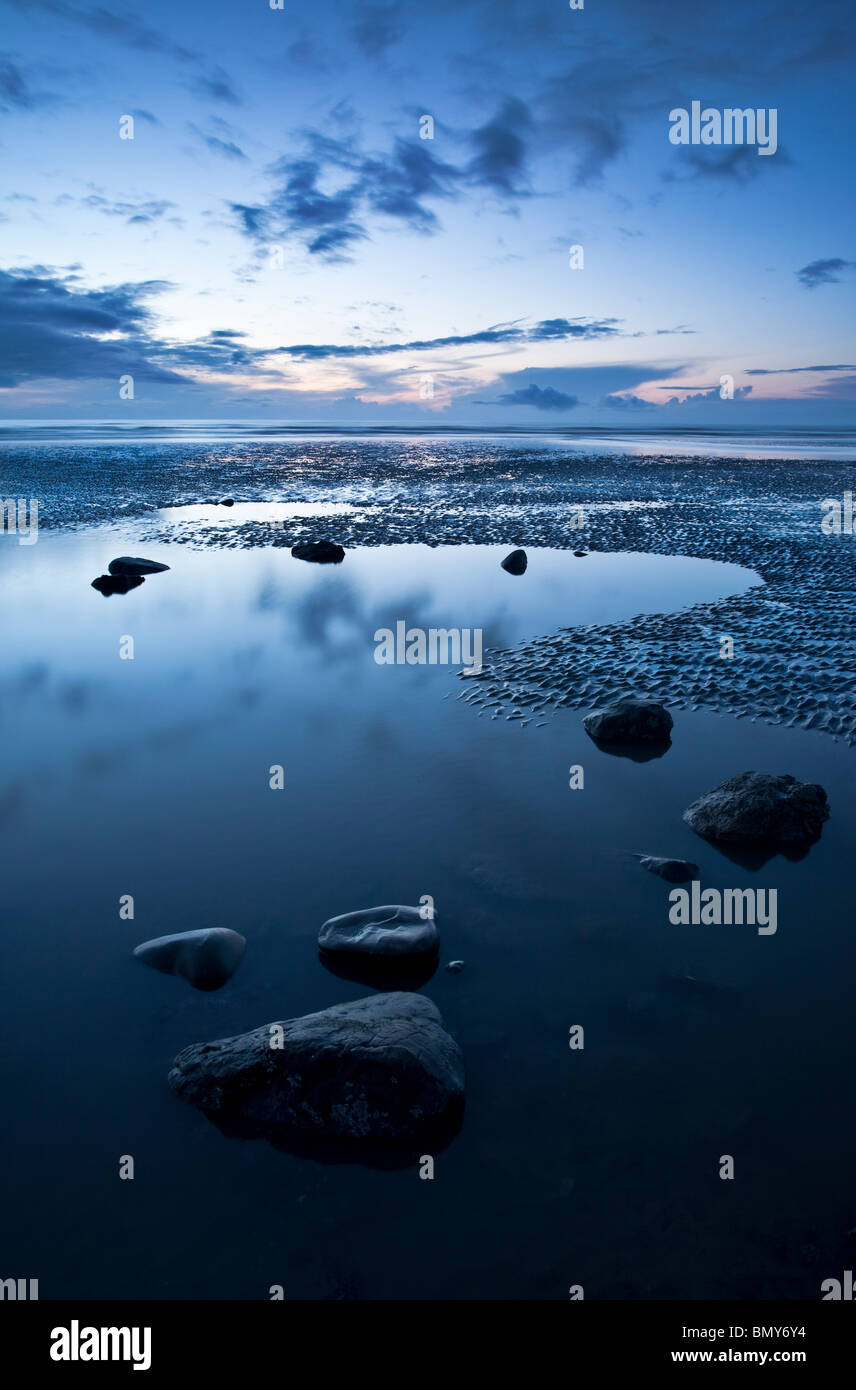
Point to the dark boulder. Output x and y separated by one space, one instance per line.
756 808
379 1069
629 720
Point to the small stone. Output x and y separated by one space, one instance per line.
322 552
132 565
109 584
672 870
206 958
515 563
384 931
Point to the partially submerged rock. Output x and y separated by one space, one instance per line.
630 719
322 552
516 562
206 958
227 501
672 870
382 1068
381 931
109 584
756 808
133 565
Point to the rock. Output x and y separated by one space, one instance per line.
580 554
672 870
755 808
381 1068
455 967
108 584
629 720
206 958
516 562
130 565
227 501
381 931
322 552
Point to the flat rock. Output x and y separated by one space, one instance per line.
629 720
516 562
322 552
756 808
133 565
109 584
381 1068
381 931
672 870
206 958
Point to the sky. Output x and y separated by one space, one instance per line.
455 213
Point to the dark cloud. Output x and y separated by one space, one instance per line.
825 272
555 329
378 28
740 393
628 402
16 91
50 327
500 159
732 163
546 398
399 183
789 371
216 85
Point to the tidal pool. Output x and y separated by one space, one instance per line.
150 777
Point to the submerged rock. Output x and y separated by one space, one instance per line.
630 720
322 552
132 565
455 967
206 958
381 931
672 870
756 808
108 584
516 562
382 1068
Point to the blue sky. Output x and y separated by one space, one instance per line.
278 240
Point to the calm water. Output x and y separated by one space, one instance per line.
150 777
